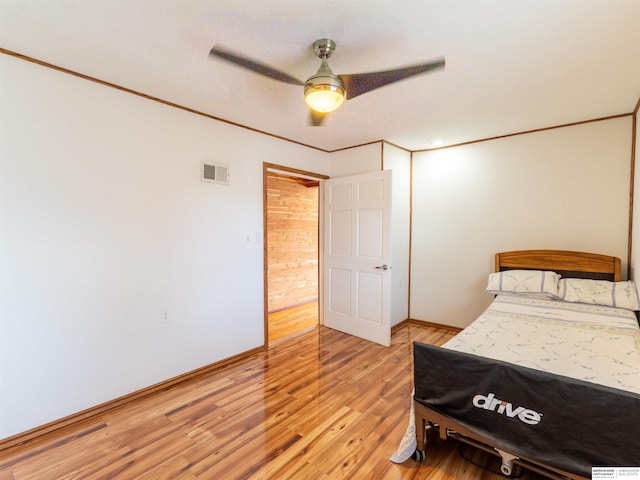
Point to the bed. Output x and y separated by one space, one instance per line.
547 378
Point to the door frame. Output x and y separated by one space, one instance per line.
294 172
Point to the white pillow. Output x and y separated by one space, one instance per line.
599 292
530 283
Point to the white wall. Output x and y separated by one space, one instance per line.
399 161
565 188
105 226
352 161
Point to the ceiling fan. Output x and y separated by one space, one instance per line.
325 91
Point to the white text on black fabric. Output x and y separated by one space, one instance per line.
490 402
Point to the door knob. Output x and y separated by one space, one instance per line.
382 267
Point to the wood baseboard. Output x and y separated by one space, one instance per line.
59 425
423 323
400 325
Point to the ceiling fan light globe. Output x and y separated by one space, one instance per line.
324 100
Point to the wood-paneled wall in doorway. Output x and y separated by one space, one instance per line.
292 240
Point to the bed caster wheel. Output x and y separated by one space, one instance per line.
418 455
506 469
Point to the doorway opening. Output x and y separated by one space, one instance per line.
292 216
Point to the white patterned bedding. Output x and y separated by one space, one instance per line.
587 342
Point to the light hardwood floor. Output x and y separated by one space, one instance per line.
320 406
292 321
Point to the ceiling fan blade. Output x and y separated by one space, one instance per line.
254 66
316 118
359 83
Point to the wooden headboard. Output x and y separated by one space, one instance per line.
567 263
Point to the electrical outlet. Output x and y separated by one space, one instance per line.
164 318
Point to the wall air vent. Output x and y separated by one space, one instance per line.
216 173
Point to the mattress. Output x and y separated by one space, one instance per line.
592 343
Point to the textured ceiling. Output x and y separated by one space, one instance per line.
512 65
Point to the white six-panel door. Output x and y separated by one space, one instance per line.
357 280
